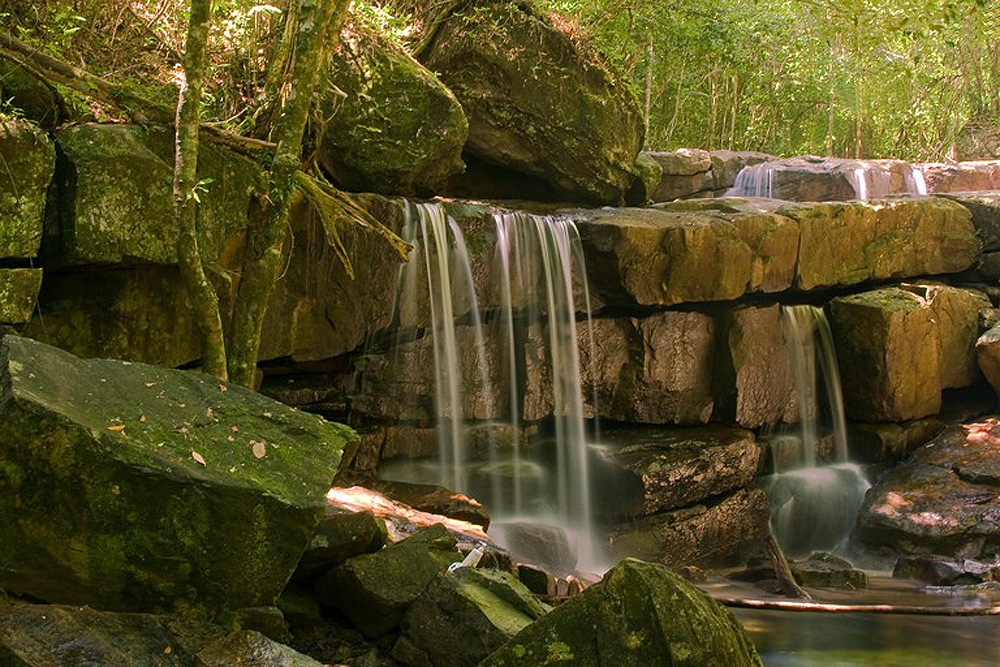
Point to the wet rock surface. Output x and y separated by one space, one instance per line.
942 501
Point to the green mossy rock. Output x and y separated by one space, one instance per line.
463 616
126 487
375 590
396 129
537 102
28 159
115 196
135 314
639 614
247 648
18 294
340 535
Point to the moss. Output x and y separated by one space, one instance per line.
28 159
18 294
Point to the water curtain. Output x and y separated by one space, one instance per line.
536 287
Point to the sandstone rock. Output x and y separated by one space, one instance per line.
957 313
943 500
247 648
817 179
968 176
844 244
755 383
939 571
681 467
722 534
826 571
18 294
340 535
657 369
639 614
985 209
36 635
29 159
876 443
395 129
375 590
114 189
727 164
135 314
888 349
463 616
429 498
537 102
132 487
686 173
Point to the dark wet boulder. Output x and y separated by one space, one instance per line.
827 571
463 616
341 534
538 103
940 571
392 127
943 500
28 159
375 590
639 614
125 486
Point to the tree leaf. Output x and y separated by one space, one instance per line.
198 458
259 448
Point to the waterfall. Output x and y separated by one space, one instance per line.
813 506
756 180
537 280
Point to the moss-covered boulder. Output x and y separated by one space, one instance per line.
18 294
248 648
463 616
115 202
639 614
375 590
125 486
848 243
135 314
28 159
537 102
393 127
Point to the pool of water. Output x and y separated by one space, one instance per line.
806 639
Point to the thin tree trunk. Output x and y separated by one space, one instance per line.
320 22
649 89
200 291
782 571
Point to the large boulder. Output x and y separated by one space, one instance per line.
538 103
639 614
818 179
28 159
848 243
985 209
898 347
116 203
722 532
463 616
686 173
393 127
126 486
943 500
972 176
248 648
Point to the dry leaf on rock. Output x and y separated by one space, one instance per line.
198 458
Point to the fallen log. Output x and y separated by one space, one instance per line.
838 608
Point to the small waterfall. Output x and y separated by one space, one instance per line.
796 178
756 180
813 506
537 278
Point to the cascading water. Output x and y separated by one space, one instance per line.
830 178
814 506
532 302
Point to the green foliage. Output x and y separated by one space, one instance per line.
892 78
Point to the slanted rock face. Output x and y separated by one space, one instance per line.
124 486
943 500
639 614
28 158
396 129
537 102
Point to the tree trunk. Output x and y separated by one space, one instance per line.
319 23
201 293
